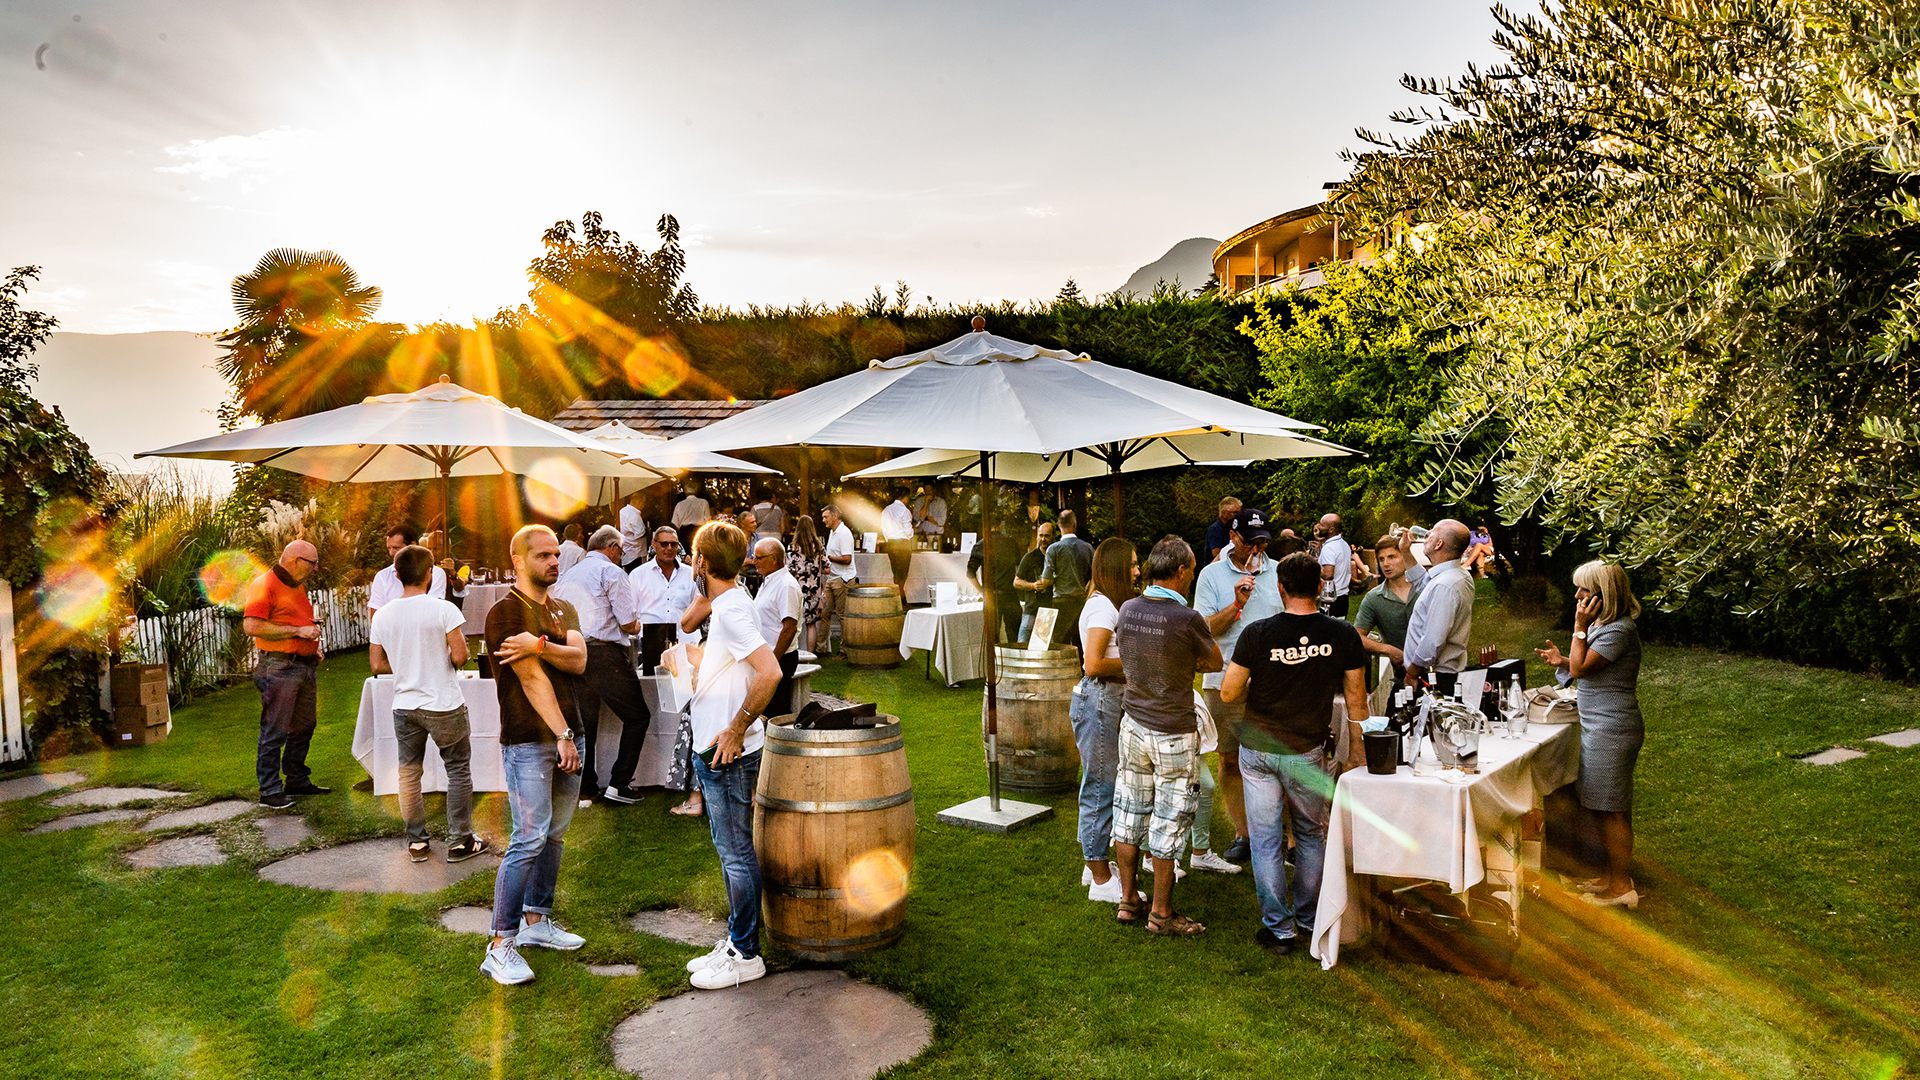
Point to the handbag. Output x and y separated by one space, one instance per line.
1552 705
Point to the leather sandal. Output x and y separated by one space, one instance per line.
1136 913
1174 925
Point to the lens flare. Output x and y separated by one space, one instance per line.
875 882
225 578
74 595
556 488
656 365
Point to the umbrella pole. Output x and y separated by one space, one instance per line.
446 503
1119 505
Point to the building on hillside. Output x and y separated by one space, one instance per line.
1287 249
659 416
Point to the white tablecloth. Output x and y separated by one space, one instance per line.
1426 827
952 635
926 568
480 600
872 568
379 753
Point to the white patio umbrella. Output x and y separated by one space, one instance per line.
442 431
648 450
1093 462
992 396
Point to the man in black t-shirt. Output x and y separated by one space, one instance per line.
1288 667
539 653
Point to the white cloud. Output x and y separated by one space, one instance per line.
247 158
1042 211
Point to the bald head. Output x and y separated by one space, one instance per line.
536 558
1329 525
1446 540
299 559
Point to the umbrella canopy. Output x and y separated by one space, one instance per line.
1094 462
440 432
638 446
987 393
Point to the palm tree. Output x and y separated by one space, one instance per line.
306 341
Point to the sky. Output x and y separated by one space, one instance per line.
976 150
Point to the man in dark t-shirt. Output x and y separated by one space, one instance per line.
539 652
1287 668
1163 643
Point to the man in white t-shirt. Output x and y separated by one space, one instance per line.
416 638
839 552
689 514
1336 566
633 534
778 609
386 583
735 677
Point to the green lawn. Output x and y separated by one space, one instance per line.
1779 937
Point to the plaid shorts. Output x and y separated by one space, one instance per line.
1157 788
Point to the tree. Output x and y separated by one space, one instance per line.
1069 293
306 341
1683 275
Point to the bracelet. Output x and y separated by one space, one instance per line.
541 648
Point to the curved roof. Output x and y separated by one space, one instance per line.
1302 219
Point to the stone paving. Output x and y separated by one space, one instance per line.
26 787
686 927
1899 739
380 866
1833 757
468 920
180 851
114 796
820 1025
284 830
613 971
199 815
81 821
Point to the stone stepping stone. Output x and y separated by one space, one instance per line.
199 815
378 866
81 821
113 796
285 830
686 927
180 851
26 787
1900 739
613 971
817 1024
1833 757
468 920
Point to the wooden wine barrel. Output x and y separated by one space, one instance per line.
870 626
833 826
1037 751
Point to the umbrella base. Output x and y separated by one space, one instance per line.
979 814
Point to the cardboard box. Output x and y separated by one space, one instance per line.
141 736
138 684
128 717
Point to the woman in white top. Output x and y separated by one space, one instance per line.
1095 710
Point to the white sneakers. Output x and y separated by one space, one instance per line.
1109 893
1212 861
505 964
547 934
724 967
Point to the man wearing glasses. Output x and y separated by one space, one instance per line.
1232 592
279 618
662 588
777 609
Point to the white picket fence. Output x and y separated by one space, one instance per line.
205 647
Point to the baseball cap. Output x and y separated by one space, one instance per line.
1251 524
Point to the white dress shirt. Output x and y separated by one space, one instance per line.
692 510
1440 629
840 542
779 600
661 599
633 535
896 522
601 596
933 516
386 586
570 555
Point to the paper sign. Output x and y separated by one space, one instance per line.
1042 639
873 541
1469 686
966 543
946 595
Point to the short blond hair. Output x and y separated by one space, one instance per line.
523 540
724 546
1230 503
1609 581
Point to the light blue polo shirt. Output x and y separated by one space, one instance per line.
1214 590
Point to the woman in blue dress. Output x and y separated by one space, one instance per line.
1605 657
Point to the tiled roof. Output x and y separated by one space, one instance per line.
660 417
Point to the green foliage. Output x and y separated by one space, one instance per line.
1363 355
306 341
1684 279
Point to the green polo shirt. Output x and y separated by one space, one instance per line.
1381 610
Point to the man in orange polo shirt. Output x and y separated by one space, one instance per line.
279 618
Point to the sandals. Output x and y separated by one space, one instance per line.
685 810
1137 913
1174 925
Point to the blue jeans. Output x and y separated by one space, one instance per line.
1095 713
1298 782
728 791
542 799
288 711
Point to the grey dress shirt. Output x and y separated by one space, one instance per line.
1440 628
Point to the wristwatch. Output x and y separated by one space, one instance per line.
567 735
1579 635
